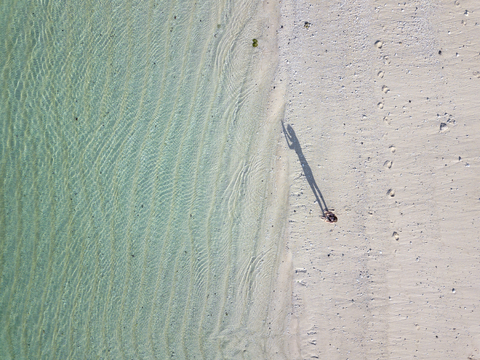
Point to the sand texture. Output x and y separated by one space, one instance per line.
384 99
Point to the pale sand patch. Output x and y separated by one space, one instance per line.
273 328
384 98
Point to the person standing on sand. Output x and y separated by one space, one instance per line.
293 143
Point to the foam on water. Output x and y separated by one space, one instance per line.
133 181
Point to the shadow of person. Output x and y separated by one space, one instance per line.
293 143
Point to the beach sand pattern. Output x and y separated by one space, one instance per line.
135 176
383 98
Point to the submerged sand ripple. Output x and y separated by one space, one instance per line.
136 173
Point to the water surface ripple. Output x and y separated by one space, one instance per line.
132 197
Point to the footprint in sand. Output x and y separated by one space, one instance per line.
385 89
388 164
395 235
392 149
391 192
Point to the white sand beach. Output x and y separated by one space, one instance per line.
163 180
383 97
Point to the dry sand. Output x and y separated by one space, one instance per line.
384 98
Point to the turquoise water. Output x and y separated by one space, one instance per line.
134 184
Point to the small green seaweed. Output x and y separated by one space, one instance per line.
307 24
255 43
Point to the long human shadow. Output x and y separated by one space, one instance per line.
293 143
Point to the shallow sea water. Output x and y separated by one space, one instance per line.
133 183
